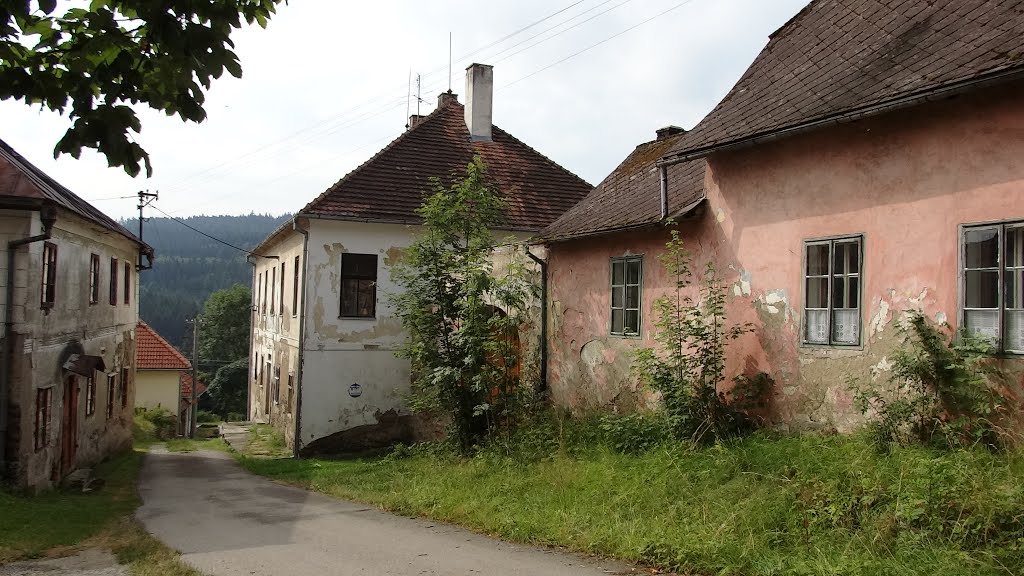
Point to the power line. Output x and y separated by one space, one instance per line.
198 231
595 45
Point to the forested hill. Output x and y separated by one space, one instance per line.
190 266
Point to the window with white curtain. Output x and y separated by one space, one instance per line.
992 277
832 291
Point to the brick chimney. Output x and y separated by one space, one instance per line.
668 132
414 120
445 98
479 96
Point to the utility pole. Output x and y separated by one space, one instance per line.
145 197
195 378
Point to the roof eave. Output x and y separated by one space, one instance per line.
684 212
906 101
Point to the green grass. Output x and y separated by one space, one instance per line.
266 442
193 444
762 506
60 523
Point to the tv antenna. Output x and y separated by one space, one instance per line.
408 97
418 98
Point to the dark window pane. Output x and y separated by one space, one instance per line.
847 256
981 248
817 293
359 266
1015 246
1014 289
366 298
817 259
844 292
632 322
618 275
981 288
617 321
632 297
617 297
349 291
633 272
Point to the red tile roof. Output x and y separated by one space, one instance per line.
391 185
152 352
843 58
630 196
186 386
22 181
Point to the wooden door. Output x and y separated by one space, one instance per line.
69 426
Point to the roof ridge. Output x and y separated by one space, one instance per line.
161 340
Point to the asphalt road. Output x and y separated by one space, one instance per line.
227 522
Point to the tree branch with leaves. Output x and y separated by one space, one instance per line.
95 62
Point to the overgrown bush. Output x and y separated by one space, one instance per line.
689 363
205 417
635 433
943 390
462 320
158 422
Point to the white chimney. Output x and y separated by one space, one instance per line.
479 92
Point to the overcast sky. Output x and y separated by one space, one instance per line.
324 87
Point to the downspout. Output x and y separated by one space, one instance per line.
48 216
302 336
543 317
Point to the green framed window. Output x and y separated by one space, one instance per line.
626 286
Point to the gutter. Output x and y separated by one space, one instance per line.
846 117
302 335
48 216
543 317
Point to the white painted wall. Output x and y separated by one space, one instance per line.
158 389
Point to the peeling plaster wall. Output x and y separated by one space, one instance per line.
275 337
342 352
905 181
42 335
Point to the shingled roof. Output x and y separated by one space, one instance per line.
630 196
391 185
22 181
152 352
841 59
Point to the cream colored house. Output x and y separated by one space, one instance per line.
163 378
323 368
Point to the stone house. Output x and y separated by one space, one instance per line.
70 305
163 377
323 365
866 164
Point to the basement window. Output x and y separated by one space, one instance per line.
626 282
832 291
358 285
94 278
48 292
992 276
44 399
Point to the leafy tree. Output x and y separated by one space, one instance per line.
229 388
96 61
462 320
224 326
690 365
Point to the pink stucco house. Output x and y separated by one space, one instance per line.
870 161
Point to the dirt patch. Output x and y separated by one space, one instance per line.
85 563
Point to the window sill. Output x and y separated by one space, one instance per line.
810 346
357 317
626 336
